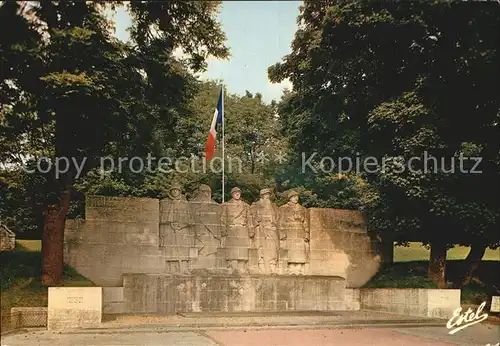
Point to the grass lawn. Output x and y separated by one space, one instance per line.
20 271
417 252
29 245
410 271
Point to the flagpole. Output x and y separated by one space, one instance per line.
223 142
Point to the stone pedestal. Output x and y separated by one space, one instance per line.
495 304
74 307
150 293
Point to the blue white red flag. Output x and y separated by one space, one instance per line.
217 119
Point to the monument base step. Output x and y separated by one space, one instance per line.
258 314
160 323
169 294
255 319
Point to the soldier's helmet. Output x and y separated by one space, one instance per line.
292 193
265 191
204 187
235 189
175 186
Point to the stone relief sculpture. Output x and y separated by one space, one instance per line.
265 222
207 224
177 236
339 242
203 195
236 231
294 233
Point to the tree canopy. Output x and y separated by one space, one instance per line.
397 81
71 89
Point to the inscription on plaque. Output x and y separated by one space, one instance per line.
495 304
74 307
75 300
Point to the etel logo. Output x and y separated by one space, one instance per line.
469 318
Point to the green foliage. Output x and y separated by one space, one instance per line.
476 292
22 265
16 265
412 274
395 80
70 89
402 275
84 94
23 190
389 281
23 201
243 143
19 285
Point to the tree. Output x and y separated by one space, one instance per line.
395 80
25 194
90 94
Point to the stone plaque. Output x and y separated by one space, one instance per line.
495 304
74 307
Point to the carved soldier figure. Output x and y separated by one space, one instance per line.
207 218
236 231
294 233
265 222
203 195
176 231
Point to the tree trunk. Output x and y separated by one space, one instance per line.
471 263
56 213
387 250
437 263
252 161
53 239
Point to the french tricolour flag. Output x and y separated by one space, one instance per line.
212 135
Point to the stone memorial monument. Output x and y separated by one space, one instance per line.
174 255
236 232
265 224
176 235
207 227
294 234
74 307
203 195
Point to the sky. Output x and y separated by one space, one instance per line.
259 34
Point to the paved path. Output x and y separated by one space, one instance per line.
146 338
479 335
323 337
311 318
288 329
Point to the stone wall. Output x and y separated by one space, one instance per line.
7 239
435 303
120 235
147 293
163 293
341 246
